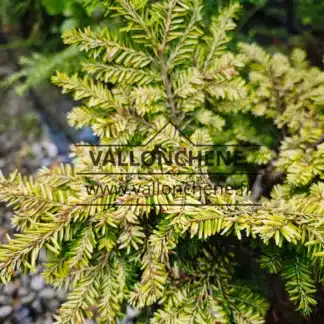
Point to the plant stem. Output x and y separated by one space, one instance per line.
168 88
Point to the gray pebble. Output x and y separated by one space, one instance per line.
5 311
37 283
28 299
131 312
25 280
51 148
22 314
47 293
36 305
53 305
5 300
9 288
22 291
48 320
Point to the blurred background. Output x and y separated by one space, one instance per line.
33 127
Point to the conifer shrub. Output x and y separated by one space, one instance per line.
165 82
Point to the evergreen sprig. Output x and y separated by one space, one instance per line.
173 256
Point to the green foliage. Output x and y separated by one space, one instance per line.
290 93
44 38
175 262
39 67
54 7
310 13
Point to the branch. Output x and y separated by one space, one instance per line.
171 6
168 89
139 20
320 141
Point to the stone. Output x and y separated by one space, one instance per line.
131 312
9 289
37 306
25 280
47 293
29 298
47 320
53 305
5 311
89 321
37 283
22 314
4 300
22 291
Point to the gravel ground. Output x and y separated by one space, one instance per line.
25 144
